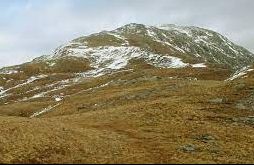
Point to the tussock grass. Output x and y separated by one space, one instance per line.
147 115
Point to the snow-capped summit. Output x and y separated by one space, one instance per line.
169 50
191 45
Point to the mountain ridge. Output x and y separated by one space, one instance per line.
165 40
129 48
197 47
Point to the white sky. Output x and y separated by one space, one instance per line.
30 28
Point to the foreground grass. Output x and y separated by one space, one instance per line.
141 117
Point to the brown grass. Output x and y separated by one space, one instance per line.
146 116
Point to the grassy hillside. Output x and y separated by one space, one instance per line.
137 94
147 116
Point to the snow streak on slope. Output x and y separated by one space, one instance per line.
201 65
111 51
205 37
108 58
3 92
189 42
6 71
163 41
45 110
177 29
240 73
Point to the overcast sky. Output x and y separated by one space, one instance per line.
30 28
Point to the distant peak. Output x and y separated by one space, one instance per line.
168 25
132 26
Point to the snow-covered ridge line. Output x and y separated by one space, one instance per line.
201 43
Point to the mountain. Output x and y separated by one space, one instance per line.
136 94
156 45
126 48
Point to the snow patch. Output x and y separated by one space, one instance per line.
154 36
37 96
7 72
28 81
58 98
240 73
179 29
108 58
56 86
51 64
200 65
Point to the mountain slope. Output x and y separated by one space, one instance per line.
146 116
156 45
188 50
137 94
191 44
